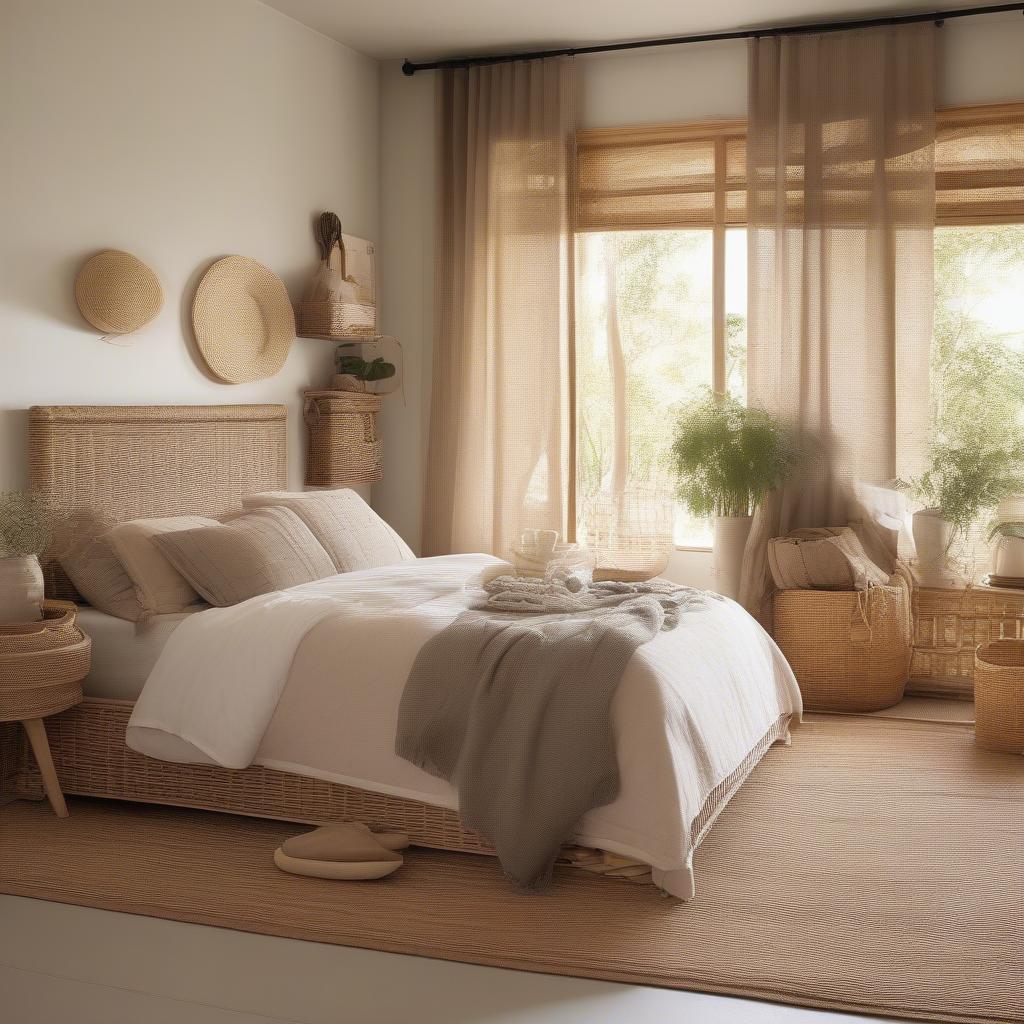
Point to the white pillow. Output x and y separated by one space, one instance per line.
351 532
161 588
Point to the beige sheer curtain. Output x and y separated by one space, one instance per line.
840 213
501 445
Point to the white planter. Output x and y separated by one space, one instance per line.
730 541
21 589
1010 557
932 538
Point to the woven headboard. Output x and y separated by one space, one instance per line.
103 464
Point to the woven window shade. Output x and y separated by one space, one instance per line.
670 176
662 177
979 165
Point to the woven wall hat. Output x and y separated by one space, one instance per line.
243 320
117 293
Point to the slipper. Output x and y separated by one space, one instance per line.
348 851
389 840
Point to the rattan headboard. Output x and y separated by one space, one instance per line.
103 464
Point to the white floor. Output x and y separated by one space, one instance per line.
62 964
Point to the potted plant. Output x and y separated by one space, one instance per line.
25 532
968 474
726 459
1007 530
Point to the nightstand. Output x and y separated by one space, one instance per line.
42 665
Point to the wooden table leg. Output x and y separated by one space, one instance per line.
41 748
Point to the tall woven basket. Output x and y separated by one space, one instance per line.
999 696
344 447
849 650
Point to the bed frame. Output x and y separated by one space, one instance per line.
101 465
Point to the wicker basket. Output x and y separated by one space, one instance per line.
999 696
849 650
343 444
42 664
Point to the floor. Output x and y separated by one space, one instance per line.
62 963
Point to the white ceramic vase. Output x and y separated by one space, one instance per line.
1010 557
730 541
932 538
21 589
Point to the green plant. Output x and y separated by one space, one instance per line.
377 369
728 457
969 473
1006 530
26 523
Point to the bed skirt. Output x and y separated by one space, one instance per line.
91 758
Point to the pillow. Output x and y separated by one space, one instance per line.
99 577
825 558
255 553
161 588
350 531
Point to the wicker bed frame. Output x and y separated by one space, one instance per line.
102 465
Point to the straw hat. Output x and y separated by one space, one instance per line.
243 320
117 293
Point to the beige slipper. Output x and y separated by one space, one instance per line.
348 851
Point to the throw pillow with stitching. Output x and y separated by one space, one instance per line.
100 578
349 530
255 553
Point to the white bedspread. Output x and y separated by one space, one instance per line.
309 681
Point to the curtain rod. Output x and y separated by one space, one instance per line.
410 68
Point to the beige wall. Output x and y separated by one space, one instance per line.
980 63
182 131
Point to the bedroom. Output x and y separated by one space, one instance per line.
206 139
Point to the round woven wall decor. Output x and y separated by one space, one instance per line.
243 320
117 293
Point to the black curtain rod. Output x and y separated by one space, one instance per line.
410 68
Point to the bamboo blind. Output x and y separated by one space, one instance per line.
695 176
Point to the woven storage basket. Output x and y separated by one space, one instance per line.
999 696
849 650
343 444
42 664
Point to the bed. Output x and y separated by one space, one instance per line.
104 465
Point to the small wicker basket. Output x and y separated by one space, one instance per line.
999 696
849 650
42 664
344 447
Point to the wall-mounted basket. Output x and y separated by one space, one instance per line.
341 300
344 447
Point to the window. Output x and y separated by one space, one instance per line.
662 286
661 302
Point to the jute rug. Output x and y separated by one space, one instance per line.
875 866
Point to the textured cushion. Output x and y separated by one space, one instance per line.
261 551
161 588
351 532
99 577
825 558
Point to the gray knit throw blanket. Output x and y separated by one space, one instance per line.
514 710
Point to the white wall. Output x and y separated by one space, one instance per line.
980 62
182 131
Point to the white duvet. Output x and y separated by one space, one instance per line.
309 681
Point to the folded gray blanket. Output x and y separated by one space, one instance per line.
514 711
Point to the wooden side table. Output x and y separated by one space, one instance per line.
42 665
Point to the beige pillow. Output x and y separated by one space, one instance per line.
99 577
350 531
161 588
256 553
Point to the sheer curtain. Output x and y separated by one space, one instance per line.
840 214
500 444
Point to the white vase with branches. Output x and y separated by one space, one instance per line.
25 533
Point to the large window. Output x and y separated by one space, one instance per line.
662 288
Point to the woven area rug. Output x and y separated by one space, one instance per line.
874 866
